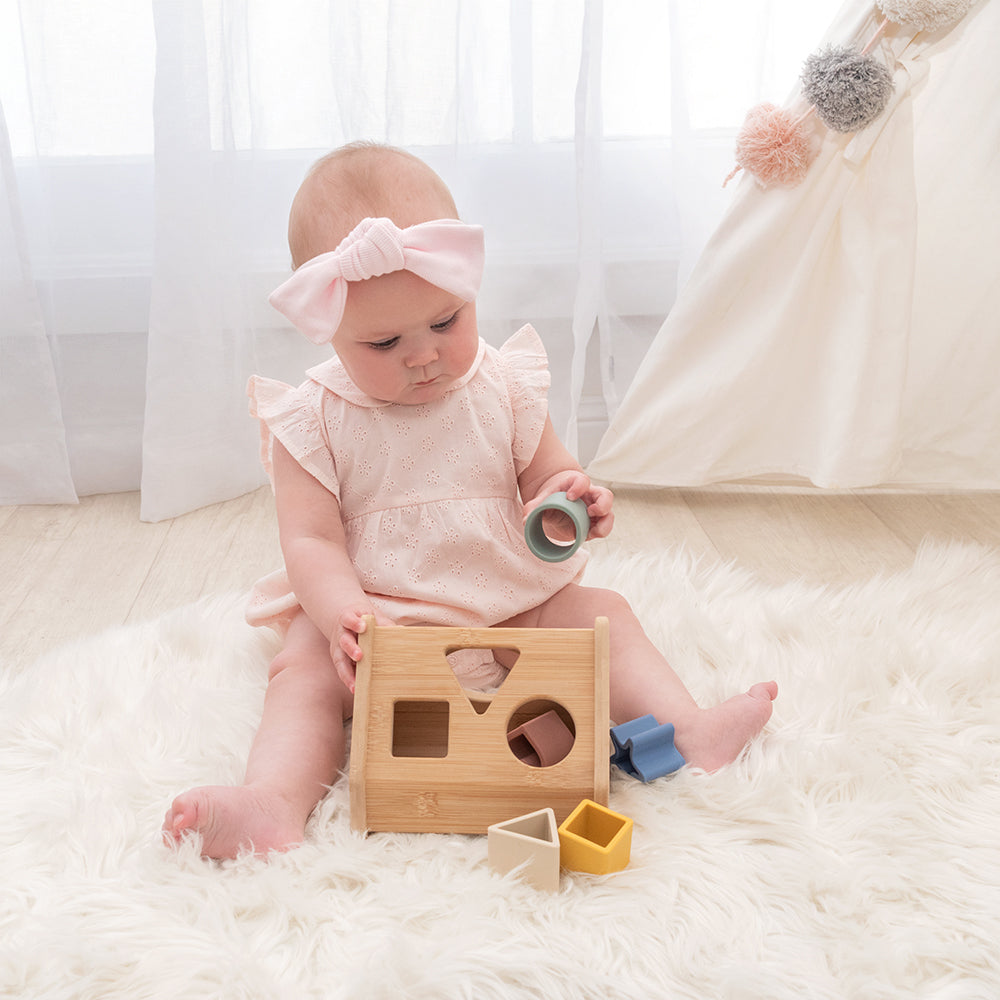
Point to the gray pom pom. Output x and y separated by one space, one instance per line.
849 89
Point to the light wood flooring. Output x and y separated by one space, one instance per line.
68 571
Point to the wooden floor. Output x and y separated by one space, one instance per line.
67 571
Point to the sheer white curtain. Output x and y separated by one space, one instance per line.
34 461
154 147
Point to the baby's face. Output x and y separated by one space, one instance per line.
404 340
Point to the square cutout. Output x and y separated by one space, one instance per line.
420 728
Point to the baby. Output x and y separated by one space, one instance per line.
403 470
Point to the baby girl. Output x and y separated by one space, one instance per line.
403 470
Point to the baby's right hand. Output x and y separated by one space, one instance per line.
344 649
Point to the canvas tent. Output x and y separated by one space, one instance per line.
845 331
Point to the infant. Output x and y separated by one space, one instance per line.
403 469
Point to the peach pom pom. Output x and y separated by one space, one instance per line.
774 145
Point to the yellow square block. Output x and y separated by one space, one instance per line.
595 839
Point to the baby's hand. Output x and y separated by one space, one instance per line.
344 649
577 486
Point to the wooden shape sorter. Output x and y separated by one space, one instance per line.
428 756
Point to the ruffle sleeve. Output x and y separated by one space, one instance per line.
526 370
295 417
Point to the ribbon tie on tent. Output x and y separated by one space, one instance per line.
447 253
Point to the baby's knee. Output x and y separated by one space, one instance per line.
610 603
285 660
615 601
311 675
311 662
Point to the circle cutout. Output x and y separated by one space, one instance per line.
541 732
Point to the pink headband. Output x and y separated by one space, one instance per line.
446 252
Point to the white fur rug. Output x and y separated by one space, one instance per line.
853 853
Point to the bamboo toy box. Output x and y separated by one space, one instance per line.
428 756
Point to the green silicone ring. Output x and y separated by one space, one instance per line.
540 543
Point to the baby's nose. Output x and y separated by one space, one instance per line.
422 355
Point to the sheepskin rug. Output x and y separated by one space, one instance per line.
853 852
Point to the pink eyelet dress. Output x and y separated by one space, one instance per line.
428 493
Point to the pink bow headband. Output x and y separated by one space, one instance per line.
446 252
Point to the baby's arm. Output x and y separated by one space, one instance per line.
553 469
319 568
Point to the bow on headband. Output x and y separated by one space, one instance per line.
446 252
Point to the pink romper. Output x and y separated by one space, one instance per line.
428 493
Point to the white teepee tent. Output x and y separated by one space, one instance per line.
846 331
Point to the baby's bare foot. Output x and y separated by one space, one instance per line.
231 819
716 736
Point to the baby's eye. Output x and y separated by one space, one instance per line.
383 345
444 324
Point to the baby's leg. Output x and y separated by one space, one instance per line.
295 757
644 683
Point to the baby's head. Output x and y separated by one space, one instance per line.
385 271
360 181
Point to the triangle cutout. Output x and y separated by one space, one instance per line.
469 663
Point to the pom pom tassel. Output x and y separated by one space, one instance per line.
925 15
774 146
847 89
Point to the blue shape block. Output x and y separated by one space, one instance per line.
620 735
645 749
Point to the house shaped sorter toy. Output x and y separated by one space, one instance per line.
429 756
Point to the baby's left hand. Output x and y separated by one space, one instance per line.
577 486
